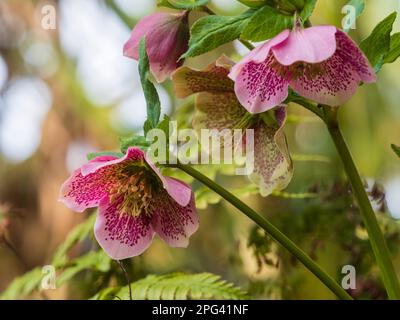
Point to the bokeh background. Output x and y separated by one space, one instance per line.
70 91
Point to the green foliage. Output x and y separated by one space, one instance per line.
95 260
92 155
359 5
394 51
253 3
396 150
182 4
210 32
177 286
267 22
377 44
133 141
78 234
149 90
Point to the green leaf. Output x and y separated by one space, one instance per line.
149 90
133 141
377 44
266 23
396 150
95 260
178 286
182 4
210 32
23 285
359 6
394 51
93 155
78 234
308 9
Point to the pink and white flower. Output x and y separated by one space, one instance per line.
217 107
167 36
320 63
135 201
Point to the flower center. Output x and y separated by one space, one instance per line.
135 189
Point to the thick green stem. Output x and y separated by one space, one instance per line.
271 230
376 238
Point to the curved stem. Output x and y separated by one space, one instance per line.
271 230
376 238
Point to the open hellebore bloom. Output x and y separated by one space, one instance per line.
320 63
135 201
218 108
167 37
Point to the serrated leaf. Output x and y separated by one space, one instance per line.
359 6
150 93
396 150
182 4
23 285
394 51
377 44
180 286
266 23
92 155
210 32
78 234
133 141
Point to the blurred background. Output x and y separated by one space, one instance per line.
68 91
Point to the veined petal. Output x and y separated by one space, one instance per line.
310 45
273 168
174 223
120 235
213 78
259 87
217 111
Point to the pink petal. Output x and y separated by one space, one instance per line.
80 192
273 167
120 235
337 78
133 153
167 37
174 223
312 45
259 87
259 54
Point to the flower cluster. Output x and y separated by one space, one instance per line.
135 201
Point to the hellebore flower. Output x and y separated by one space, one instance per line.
167 37
135 201
218 108
320 63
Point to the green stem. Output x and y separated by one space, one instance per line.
377 240
271 230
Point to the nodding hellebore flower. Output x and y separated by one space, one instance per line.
320 63
135 201
218 108
167 36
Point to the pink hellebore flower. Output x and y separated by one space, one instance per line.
320 63
135 201
167 37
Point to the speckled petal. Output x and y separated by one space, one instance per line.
213 78
174 223
338 78
273 168
80 192
120 235
259 87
